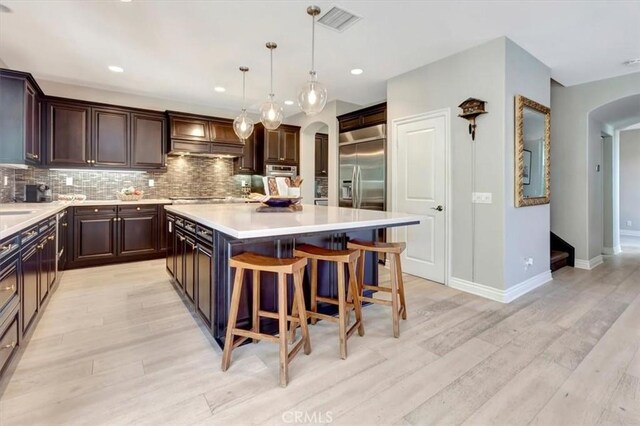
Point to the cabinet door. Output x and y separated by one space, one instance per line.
223 132
180 249
94 237
8 282
192 129
247 163
321 154
350 123
29 277
204 282
43 270
110 138
171 246
190 268
51 258
272 146
68 138
138 234
33 110
289 146
148 137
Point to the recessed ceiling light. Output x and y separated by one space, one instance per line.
288 102
125 1
115 68
356 71
219 89
635 61
5 9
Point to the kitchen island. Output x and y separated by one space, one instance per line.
202 238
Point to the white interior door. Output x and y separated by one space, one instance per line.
420 188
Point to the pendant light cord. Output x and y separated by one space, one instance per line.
313 44
271 91
244 75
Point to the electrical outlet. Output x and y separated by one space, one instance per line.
629 223
528 261
481 197
69 181
6 180
152 182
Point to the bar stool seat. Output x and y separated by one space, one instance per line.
283 267
397 302
347 301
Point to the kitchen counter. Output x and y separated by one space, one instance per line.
13 223
243 221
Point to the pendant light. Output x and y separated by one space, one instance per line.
243 124
312 96
271 112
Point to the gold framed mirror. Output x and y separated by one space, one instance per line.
532 152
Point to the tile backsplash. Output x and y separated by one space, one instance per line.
7 191
185 177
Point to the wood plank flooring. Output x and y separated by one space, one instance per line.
117 346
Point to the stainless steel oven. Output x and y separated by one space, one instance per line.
280 170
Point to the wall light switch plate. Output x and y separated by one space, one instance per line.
69 181
6 180
481 197
152 182
629 223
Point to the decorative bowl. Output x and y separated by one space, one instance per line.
282 201
131 197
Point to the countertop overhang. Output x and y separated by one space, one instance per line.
243 221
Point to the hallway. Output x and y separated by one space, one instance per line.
116 346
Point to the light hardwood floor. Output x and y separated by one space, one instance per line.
117 346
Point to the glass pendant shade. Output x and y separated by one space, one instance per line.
271 114
243 125
312 96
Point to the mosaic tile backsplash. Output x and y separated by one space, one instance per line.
7 192
185 177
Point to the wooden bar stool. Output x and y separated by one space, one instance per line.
340 258
282 267
397 285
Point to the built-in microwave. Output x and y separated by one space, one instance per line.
280 170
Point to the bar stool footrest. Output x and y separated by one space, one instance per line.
376 288
376 300
248 334
322 316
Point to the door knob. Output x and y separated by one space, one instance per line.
438 209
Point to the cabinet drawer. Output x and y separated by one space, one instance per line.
8 341
204 233
28 235
8 281
95 210
142 208
8 247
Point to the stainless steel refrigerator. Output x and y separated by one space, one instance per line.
362 168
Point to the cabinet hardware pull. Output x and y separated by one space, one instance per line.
89 161
137 208
281 158
12 287
9 346
6 248
65 225
40 246
36 156
95 210
51 237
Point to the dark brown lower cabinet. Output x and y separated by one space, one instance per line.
189 268
29 278
204 281
179 256
9 339
171 244
94 236
8 281
138 234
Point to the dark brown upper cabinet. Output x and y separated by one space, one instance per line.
68 134
111 138
148 139
20 118
280 146
190 128
88 135
322 154
222 131
248 163
371 116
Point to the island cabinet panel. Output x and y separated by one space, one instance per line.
8 281
148 140
189 268
45 272
68 134
181 242
9 340
171 245
205 271
110 137
29 302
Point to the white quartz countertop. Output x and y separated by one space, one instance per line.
243 221
12 223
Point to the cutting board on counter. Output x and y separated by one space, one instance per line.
291 209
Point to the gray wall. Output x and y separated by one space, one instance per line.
575 152
630 180
526 228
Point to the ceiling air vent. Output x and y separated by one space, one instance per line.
338 19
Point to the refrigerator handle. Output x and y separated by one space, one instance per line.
359 187
354 188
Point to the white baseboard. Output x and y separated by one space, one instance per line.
630 233
611 250
588 264
503 296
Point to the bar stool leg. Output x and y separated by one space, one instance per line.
282 328
403 304
294 313
355 295
233 315
256 303
394 297
342 310
302 312
314 289
361 260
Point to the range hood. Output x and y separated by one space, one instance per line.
205 149
202 136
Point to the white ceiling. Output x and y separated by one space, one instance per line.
180 50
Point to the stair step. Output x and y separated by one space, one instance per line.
557 256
